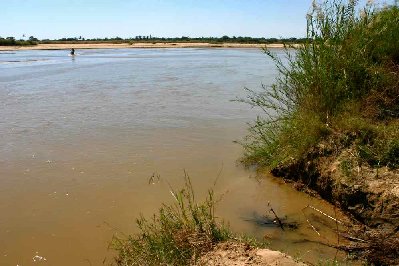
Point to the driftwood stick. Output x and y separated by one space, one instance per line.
352 238
311 225
275 215
325 214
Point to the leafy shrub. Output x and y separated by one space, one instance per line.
350 57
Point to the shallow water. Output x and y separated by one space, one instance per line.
81 136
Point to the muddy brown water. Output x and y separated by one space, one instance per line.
80 138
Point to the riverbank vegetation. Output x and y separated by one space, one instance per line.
344 79
331 120
178 235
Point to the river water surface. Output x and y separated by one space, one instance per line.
81 137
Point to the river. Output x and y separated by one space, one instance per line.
81 136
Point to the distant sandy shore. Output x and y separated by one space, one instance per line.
135 45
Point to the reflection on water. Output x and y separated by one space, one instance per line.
82 135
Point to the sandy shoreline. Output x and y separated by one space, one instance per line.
135 45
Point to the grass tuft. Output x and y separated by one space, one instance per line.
177 235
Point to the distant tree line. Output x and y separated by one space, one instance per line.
149 38
184 39
11 41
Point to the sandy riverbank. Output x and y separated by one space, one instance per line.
134 45
239 254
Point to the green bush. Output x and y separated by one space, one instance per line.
350 57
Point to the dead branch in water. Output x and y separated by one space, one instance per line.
325 214
351 238
377 246
311 225
275 215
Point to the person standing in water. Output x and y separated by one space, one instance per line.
72 51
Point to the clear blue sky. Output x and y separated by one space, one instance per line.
162 18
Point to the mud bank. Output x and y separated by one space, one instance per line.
333 171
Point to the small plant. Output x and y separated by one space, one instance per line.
178 235
346 167
391 156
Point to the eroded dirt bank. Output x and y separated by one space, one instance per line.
370 195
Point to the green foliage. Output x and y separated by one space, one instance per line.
273 142
391 156
178 235
346 167
376 141
378 145
11 41
350 57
